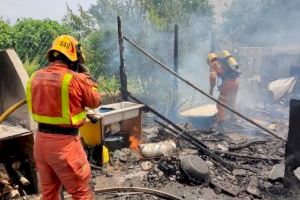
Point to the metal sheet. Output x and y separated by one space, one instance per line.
201 111
8 132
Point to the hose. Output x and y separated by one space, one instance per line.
11 109
157 193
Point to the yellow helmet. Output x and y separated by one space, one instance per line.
225 54
211 57
229 59
68 46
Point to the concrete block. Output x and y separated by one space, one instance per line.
277 172
297 173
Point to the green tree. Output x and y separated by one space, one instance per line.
165 13
96 43
97 52
6 35
82 24
33 38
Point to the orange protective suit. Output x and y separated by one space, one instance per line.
57 98
228 89
61 160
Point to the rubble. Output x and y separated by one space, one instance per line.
277 172
119 155
146 165
297 173
7 189
253 188
239 172
226 187
194 167
248 180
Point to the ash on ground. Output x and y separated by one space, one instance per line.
255 156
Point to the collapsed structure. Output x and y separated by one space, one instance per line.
133 145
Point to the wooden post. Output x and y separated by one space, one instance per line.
123 75
175 86
292 151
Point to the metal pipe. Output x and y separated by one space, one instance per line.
201 91
157 193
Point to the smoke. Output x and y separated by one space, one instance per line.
253 23
264 37
152 83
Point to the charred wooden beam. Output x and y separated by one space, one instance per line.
175 86
247 156
246 144
123 76
22 178
292 152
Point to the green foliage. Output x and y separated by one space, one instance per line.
33 38
105 12
6 35
31 66
96 53
165 13
82 24
110 86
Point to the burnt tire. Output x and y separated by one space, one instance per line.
195 168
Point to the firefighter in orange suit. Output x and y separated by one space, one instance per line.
57 96
226 68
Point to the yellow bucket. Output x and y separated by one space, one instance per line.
105 155
91 133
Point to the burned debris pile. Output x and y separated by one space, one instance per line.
17 174
249 173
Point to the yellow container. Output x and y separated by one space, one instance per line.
105 155
91 133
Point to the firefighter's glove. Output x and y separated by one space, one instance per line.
92 117
211 91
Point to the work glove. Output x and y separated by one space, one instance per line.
211 91
92 116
